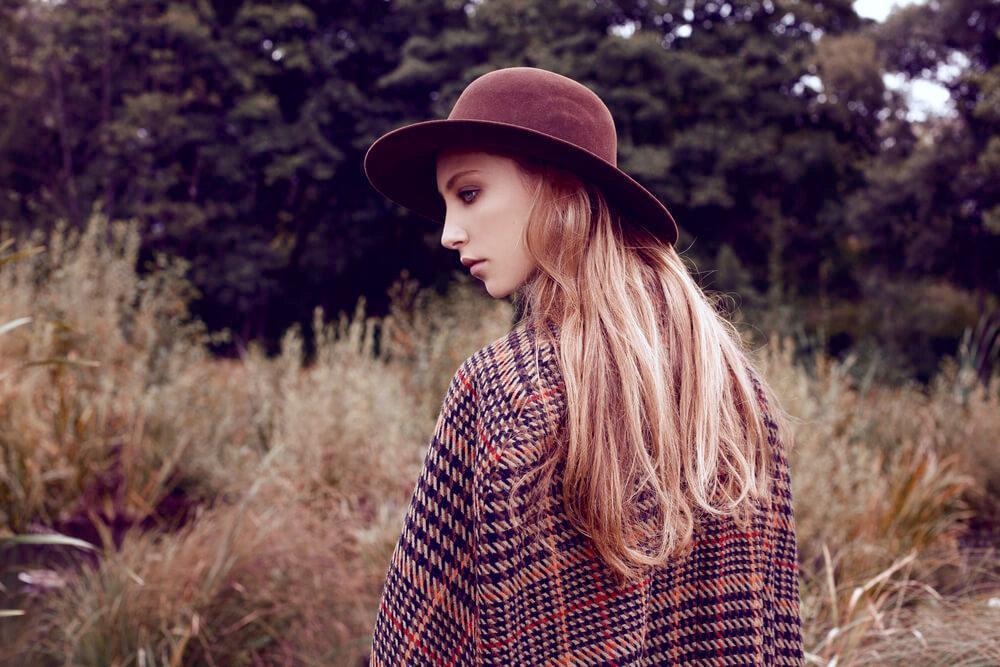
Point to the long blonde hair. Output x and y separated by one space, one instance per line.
659 397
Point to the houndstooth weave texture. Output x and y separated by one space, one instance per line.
463 588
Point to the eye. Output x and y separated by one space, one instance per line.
462 193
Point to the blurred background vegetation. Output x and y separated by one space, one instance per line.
222 352
232 134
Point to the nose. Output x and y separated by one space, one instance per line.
453 236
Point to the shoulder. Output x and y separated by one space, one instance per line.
512 367
519 399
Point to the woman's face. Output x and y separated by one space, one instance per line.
486 212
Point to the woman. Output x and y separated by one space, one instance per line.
606 484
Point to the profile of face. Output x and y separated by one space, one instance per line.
487 205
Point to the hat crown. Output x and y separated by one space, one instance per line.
543 101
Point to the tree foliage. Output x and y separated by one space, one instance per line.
233 134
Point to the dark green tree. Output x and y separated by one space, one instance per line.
931 207
234 132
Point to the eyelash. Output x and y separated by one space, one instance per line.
461 195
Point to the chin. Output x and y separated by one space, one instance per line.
497 292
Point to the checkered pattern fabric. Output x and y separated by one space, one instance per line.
464 588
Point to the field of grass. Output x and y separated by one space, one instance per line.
244 511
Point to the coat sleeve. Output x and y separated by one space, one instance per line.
427 612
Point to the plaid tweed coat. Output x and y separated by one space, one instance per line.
463 588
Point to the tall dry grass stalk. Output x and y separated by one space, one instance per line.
430 334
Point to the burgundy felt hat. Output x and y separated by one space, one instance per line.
528 110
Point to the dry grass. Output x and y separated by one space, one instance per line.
882 481
297 476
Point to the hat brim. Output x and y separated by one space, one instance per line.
401 165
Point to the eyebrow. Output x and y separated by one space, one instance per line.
455 176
